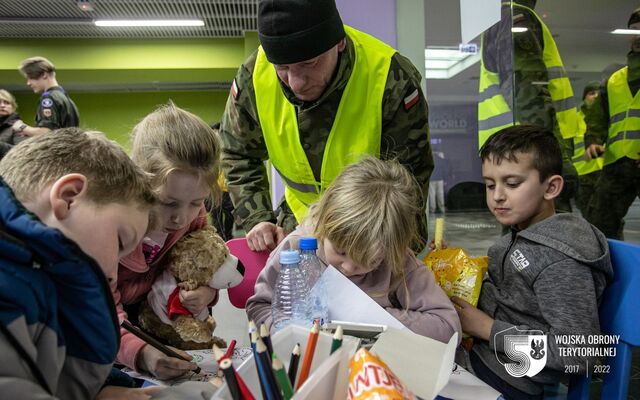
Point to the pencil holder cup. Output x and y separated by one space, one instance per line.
329 377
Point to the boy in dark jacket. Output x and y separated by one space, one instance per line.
71 204
545 278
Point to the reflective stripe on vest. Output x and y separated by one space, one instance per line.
494 113
356 129
623 139
583 165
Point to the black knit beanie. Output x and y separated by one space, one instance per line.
291 31
635 17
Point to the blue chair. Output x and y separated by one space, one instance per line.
619 315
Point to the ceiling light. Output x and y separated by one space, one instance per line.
626 31
85 5
148 22
445 62
519 29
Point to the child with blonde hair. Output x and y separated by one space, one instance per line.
181 153
71 204
365 224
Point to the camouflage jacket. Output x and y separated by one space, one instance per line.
520 79
597 117
405 134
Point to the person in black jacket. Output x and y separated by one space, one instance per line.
56 109
8 116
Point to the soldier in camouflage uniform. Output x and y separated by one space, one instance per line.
55 109
619 184
521 80
404 132
587 182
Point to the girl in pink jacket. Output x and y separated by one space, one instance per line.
182 154
365 223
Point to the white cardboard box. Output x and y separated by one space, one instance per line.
423 364
329 375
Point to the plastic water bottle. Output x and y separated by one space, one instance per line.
313 269
289 303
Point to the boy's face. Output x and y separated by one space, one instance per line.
181 198
107 232
104 232
38 85
515 194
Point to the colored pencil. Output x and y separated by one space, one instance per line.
230 377
264 335
264 370
308 354
254 339
229 352
252 328
337 340
281 378
244 390
293 364
150 340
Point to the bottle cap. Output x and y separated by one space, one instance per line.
289 257
308 243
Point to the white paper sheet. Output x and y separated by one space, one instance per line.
348 303
205 360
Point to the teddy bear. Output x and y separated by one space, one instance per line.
200 258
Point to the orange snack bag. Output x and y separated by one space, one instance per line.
457 273
371 379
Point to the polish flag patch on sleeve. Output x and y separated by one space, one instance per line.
234 89
411 100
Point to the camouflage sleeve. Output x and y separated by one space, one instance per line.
596 118
48 114
405 126
244 152
533 104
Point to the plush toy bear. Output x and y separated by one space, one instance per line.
200 258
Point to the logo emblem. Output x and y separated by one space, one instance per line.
46 102
528 353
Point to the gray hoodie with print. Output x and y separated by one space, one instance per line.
550 278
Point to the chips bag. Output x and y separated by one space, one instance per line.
371 379
457 273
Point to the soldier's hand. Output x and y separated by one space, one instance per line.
265 236
594 151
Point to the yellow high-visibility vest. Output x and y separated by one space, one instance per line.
623 139
356 129
494 113
579 159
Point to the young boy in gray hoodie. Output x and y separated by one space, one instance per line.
546 277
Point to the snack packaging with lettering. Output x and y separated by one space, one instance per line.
371 378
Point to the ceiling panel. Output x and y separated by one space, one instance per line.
65 19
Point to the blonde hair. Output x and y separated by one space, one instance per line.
8 97
35 67
373 206
172 139
112 177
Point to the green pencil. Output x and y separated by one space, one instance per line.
281 378
337 339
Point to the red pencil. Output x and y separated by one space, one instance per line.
308 354
229 351
220 356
